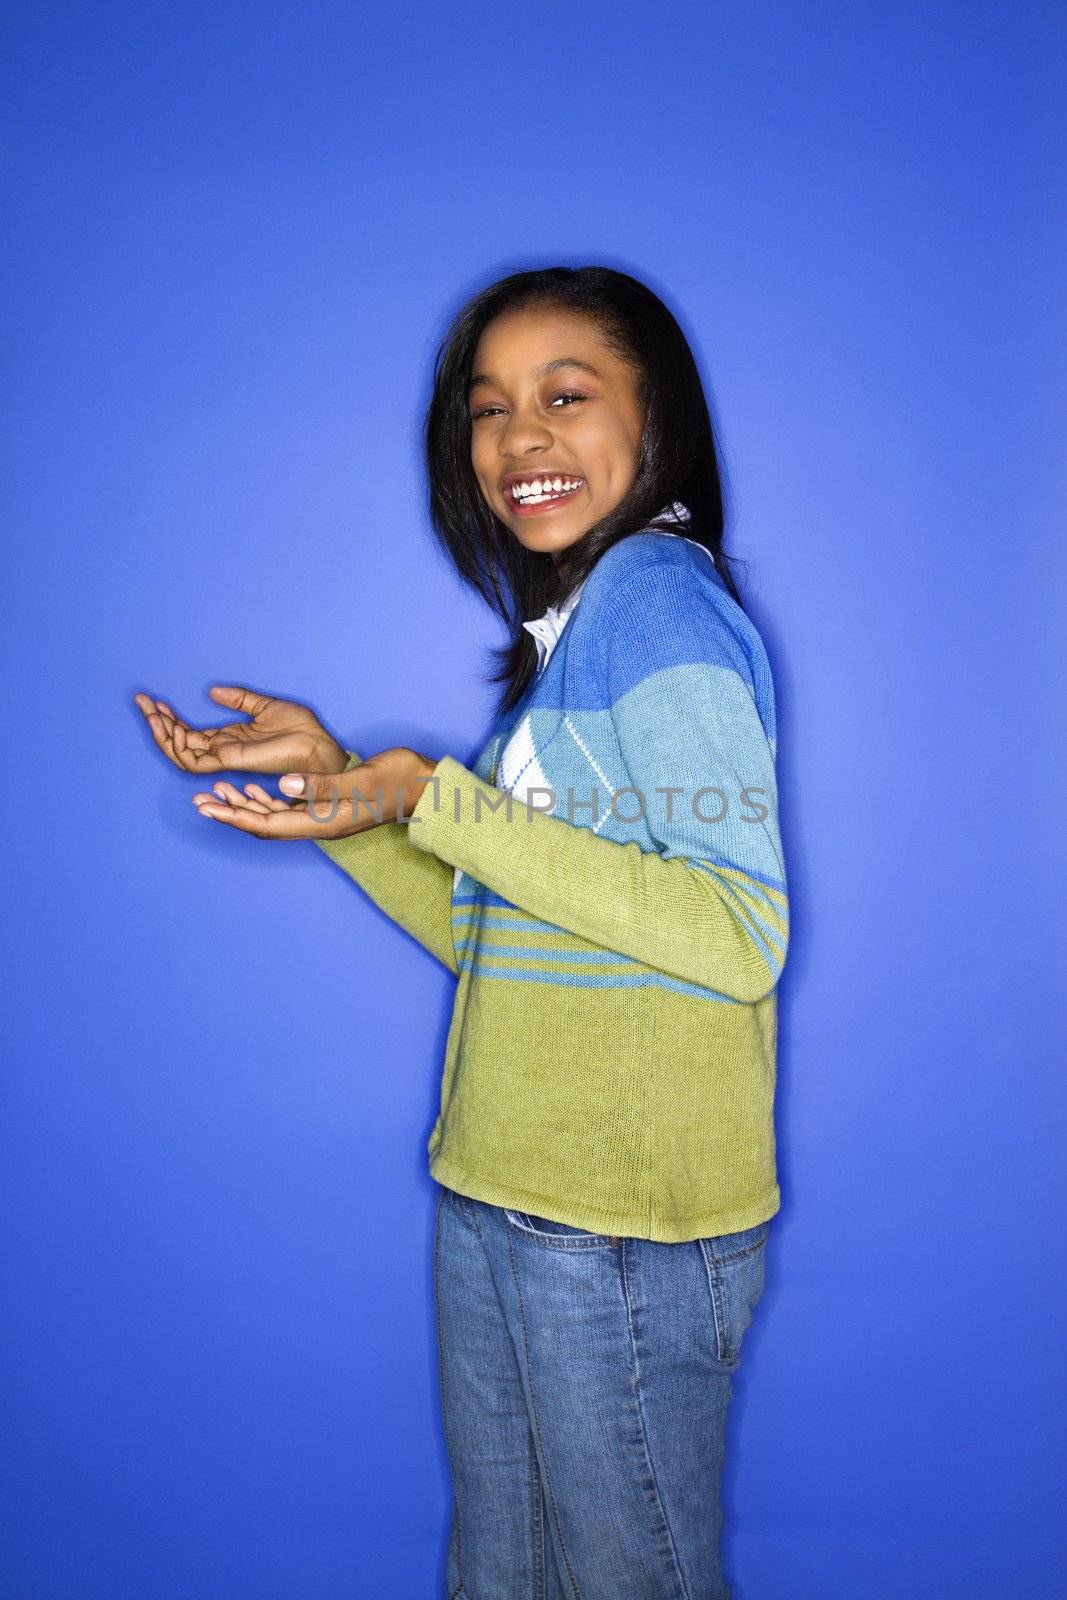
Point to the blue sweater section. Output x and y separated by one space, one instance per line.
659 682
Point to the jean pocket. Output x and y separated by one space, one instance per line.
558 1235
736 1267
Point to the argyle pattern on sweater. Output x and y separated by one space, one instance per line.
613 904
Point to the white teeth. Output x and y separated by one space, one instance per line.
539 489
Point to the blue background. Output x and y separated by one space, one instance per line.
238 233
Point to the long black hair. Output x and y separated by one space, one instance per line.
678 459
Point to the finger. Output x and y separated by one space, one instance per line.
228 792
173 721
187 755
290 822
153 718
147 707
195 738
241 699
194 746
266 802
256 791
217 810
162 726
167 715
319 792
161 734
234 797
250 803
190 760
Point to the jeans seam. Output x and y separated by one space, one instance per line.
536 1423
540 1575
679 1575
441 1378
749 1250
717 1309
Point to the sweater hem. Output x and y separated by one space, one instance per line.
667 1228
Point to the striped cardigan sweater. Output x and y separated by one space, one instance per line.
616 916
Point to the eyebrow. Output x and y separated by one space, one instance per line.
487 379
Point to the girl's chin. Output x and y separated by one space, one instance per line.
548 541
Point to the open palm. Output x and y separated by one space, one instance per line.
282 736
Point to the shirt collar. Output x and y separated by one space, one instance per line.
547 629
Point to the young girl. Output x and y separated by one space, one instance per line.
606 882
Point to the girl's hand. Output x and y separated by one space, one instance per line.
391 783
282 736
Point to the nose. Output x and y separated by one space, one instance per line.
524 431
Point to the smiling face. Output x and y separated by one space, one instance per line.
570 435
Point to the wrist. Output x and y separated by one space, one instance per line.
417 788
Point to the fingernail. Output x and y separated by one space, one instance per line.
292 783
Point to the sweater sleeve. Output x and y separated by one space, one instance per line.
413 888
707 901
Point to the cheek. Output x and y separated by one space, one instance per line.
478 465
618 454
614 438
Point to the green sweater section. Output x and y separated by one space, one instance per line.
611 1057
412 888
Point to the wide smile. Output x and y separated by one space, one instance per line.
530 497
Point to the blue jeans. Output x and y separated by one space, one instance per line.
585 1382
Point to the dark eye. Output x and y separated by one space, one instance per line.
563 394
